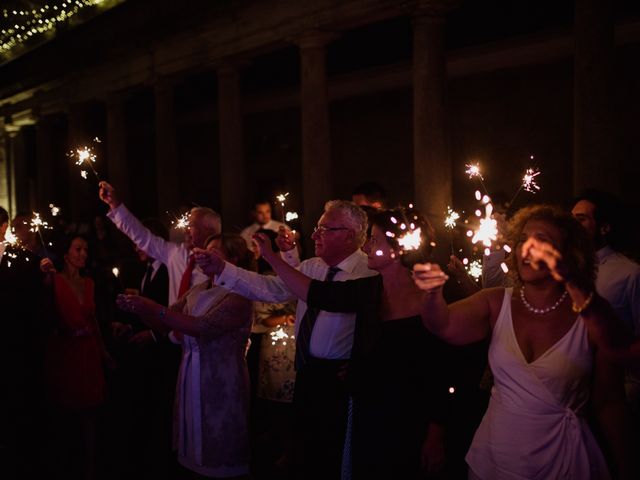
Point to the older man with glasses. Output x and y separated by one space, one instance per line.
323 339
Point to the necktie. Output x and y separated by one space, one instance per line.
146 284
186 276
303 341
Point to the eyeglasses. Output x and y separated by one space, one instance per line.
322 229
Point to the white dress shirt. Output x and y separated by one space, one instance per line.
174 256
332 336
618 281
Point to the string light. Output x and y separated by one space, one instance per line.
21 26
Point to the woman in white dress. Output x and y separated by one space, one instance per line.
545 353
211 433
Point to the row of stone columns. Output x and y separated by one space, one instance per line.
432 165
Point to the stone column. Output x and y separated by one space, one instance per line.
167 171
596 161
316 136
45 160
6 198
233 187
432 164
118 174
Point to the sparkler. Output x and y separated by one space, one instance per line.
181 222
291 216
37 225
474 269
473 170
85 155
10 238
55 211
450 220
410 240
487 231
528 183
280 336
282 198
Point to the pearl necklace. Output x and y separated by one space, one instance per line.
541 311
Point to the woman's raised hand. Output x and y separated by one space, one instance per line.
286 239
544 255
429 276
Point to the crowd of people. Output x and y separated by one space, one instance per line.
231 355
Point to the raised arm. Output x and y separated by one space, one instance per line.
156 247
251 285
460 323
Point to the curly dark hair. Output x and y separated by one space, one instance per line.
576 249
392 221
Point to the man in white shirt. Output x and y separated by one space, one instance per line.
262 216
618 279
320 398
203 222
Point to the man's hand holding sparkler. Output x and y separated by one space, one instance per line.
108 195
286 239
429 277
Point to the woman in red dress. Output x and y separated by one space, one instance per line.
75 351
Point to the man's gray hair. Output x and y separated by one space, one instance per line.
354 217
210 219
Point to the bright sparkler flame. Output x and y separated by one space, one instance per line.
529 180
85 155
291 216
83 174
182 222
410 240
10 238
282 198
55 211
451 218
473 170
37 223
487 231
280 336
474 269
115 271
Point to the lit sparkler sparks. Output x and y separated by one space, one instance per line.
410 240
474 269
181 222
473 170
282 198
529 183
280 336
451 218
85 156
115 271
37 225
55 211
291 216
10 238
487 231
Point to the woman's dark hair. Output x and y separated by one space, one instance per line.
235 249
62 248
263 265
576 249
398 222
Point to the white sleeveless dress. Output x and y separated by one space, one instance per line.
534 427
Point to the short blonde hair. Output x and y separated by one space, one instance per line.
354 217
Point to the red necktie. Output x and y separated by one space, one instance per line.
186 276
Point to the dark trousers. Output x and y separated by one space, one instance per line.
320 418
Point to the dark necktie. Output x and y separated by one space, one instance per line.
185 282
303 341
147 280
